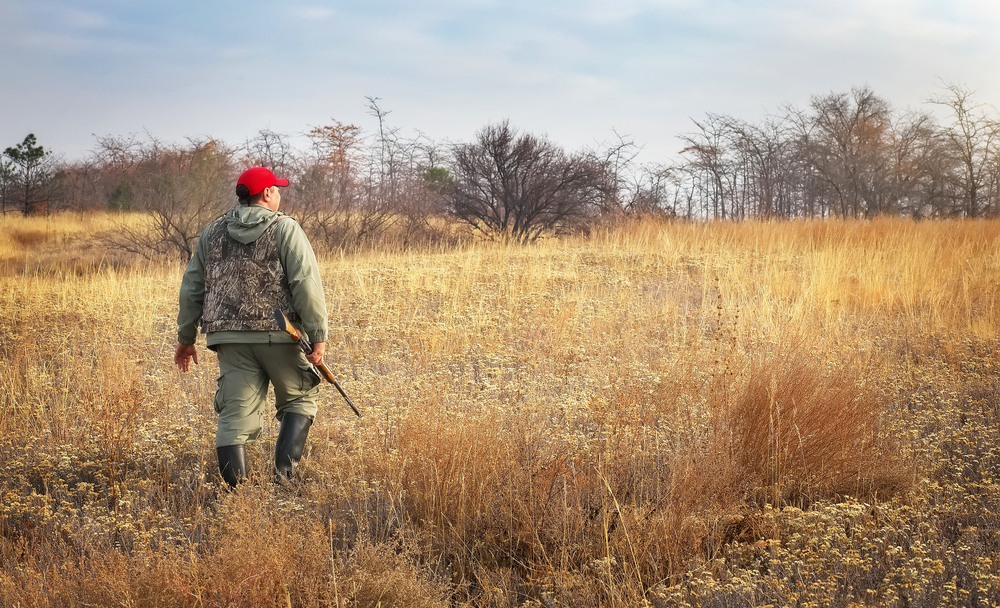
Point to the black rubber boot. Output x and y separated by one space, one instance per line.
232 464
290 444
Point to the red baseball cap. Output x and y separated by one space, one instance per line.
259 179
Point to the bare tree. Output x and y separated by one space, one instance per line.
764 165
423 180
8 179
621 175
272 150
326 189
117 161
629 188
382 180
514 186
708 166
401 187
180 190
849 151
915 174
848 156
972 139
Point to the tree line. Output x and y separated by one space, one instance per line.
849 155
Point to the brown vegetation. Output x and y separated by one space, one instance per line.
61 243
658 415
847 155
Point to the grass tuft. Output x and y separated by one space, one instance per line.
802 429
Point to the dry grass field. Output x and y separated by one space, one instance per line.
792 414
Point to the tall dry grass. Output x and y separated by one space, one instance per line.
67 243
661 413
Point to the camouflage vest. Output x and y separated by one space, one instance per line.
244 284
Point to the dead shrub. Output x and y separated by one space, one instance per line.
801 430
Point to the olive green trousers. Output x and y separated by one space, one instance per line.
245 370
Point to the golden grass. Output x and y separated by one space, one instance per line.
67 243
660 414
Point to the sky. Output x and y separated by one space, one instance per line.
579 72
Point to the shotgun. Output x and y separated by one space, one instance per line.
307 348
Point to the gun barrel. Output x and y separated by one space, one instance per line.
350 403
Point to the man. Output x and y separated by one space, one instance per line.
247 264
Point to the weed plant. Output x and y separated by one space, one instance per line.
677 414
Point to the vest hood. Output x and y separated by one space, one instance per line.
247 222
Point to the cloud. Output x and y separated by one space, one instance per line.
313 12
77 18
603 12
572 68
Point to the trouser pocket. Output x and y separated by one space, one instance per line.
310 377
219 400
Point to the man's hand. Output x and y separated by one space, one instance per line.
183 356
315 357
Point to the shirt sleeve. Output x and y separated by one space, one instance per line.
192 294
302 273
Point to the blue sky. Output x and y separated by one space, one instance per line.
576 71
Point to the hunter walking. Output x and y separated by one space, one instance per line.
248 264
